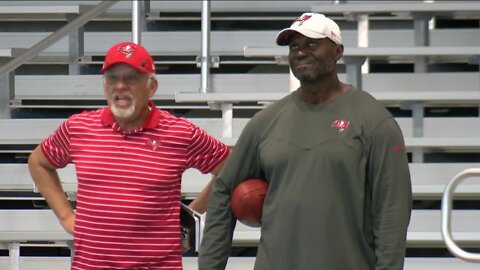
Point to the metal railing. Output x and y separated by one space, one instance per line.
446 216
54 37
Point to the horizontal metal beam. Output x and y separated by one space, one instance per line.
386 52
54 37
398 6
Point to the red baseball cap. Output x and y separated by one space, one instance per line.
129 53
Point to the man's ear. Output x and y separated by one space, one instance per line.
338 52
153 86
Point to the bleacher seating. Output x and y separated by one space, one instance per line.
437 108
225 43
240 263
457 134
428 180
19 226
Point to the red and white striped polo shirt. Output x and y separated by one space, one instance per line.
128 204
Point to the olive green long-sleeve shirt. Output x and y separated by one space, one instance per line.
339 194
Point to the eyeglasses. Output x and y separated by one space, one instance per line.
130 79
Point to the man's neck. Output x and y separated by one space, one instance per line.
322 92
129 125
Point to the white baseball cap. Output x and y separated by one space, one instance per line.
312 25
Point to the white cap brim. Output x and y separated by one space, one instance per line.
284 35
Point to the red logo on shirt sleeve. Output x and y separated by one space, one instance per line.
398 148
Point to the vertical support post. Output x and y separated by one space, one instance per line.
353 68
146 9
14 255
7 91
421 38
363 26
138 20
205 61
75 47
418 117
227 117
476 60
418 128
71 246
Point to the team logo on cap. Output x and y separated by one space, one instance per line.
127 50
303 18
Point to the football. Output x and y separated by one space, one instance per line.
247 201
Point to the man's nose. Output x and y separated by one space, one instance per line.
300 52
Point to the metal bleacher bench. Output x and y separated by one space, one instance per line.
52 11
418 11
413 90
410 99
288 6
371 7
10 52
124 7
354 57
445 133
20 226
30 226
458 134
232 42
407 90
16 178
457 86
223 43
440 134
240 263
378 52
428 180
420 52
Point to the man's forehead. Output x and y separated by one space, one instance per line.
121 68
295 36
